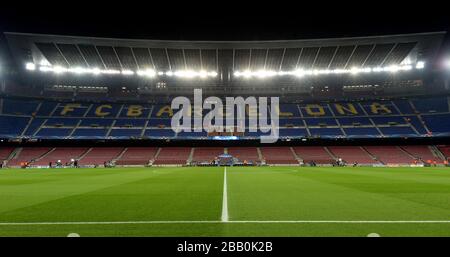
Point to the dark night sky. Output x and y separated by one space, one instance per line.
194 23
277 21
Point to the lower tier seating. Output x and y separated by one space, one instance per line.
278 155
371 155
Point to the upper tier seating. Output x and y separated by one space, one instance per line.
78 120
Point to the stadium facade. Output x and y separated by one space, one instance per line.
381 100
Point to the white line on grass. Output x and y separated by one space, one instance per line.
220 221
224 217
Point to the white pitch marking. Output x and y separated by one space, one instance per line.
373 235
220 221
224 217
73 235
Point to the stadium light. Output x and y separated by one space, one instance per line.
44 62
447 64
30 66
316 72
147 73
126 72
78 70
420 65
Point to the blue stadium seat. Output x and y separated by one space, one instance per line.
103 110
159 111
130 122
325 132
431 105
17 114
192 134
70 110
320 122
126 111
125 133
398 131
12 126
404 106
96 122
315 110
389 120
69 122
35 124
346 109
289 111
46 108
89 133
19 107
157 122
291 122
381 108
413 120
438 124
361 132
53 132
357 121
157 133
293 132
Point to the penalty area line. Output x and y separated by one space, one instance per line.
221 221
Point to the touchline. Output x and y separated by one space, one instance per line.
234 115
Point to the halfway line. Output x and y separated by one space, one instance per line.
224 217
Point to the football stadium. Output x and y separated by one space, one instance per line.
94 141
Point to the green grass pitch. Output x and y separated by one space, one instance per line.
260 201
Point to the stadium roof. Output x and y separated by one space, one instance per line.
334 53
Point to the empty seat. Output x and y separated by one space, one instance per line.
249 154
390 154
317 154
137 156
278 155
173 155
352 154
28 154
65 154
100 155
206 154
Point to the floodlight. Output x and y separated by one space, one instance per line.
127 72
59 69
110 71
45 69
30 66
96 71
79 70
420 65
